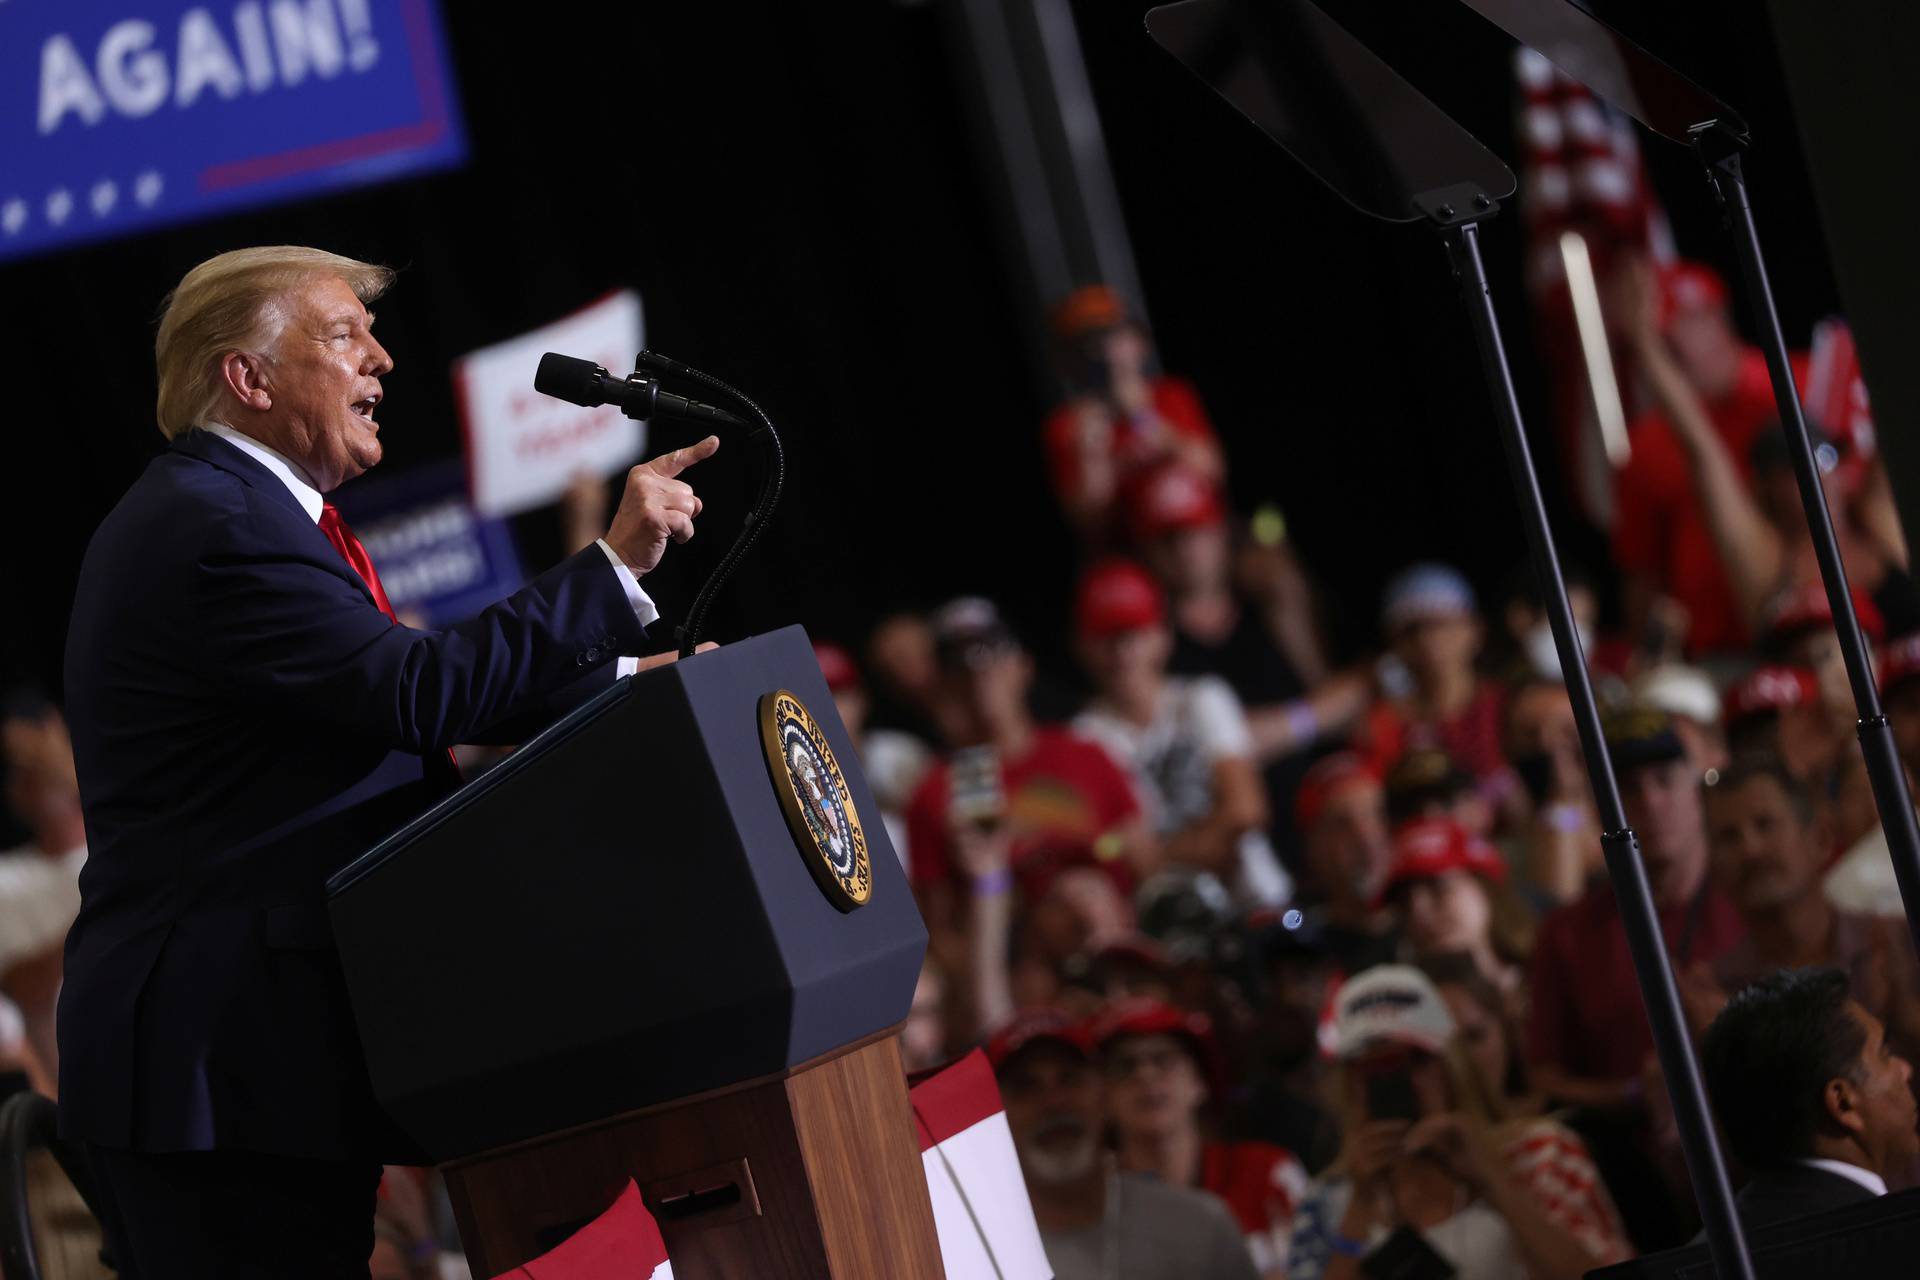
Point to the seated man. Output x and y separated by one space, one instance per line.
1094 1220
1769 845
1342 811
1588 1040
1809 1096
1184 737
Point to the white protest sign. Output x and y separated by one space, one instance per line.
522 447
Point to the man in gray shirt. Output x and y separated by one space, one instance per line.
1098 1223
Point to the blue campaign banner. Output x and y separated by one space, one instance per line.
437 558
119 115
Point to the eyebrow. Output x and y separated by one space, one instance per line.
348 317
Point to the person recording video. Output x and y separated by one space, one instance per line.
1435 1177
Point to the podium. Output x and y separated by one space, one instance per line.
637 949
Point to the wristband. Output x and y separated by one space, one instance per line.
1346 1246
993 884
1303 722
1563 818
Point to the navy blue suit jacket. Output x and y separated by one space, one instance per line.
245 722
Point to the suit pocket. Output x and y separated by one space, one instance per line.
297 926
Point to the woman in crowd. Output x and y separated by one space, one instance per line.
1448 889
1436 1162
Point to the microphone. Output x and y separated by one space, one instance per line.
583 382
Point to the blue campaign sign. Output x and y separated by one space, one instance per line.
436 556
118 115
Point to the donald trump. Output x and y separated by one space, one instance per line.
247 717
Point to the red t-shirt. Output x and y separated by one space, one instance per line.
1260 1182
1062 796
1471 739
1174 400
1661 530
1585 1015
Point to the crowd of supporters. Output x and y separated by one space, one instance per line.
1324 954
1288 960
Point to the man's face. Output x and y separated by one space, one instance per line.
1128 662
1541 723
1882 1117
1446 913
1764 853
1818 650
1663 805
1350 845
323 380
1707 348
991 689
1192 560
1053 1101
1903 709
1154 1087
1438 647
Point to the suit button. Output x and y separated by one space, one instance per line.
579 659
593 655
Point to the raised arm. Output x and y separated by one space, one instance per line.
1752 551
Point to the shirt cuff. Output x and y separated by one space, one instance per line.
643 606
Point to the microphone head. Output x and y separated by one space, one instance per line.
571 379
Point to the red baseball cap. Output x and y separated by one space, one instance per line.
1089 309
1034 1026
1689 286
1172 497
1805 608
1428 847
837 665
1331 777
1137 947
1900 662
1146 1016
1770 689
1118 595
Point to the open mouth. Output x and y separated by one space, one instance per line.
363 409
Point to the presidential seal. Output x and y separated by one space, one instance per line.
813 795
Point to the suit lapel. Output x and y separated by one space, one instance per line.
209 448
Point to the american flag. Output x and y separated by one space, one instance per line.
1582 173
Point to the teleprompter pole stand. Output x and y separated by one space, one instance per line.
1456 212
1721 149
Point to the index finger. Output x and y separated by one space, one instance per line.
672 464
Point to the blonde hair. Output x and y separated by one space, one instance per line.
229 303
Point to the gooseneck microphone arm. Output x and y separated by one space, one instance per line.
583 382
771 483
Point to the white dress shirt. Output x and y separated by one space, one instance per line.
294 476
1851 1172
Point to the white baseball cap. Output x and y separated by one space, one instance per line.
1680 691
1389 1004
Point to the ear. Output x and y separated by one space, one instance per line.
1841 1101
243 374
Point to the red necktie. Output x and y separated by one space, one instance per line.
341 535
355 554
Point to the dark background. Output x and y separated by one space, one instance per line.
793 191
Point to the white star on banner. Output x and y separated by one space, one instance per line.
102 197
146 187
13 215
59 205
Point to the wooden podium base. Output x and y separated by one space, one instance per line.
812 1173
